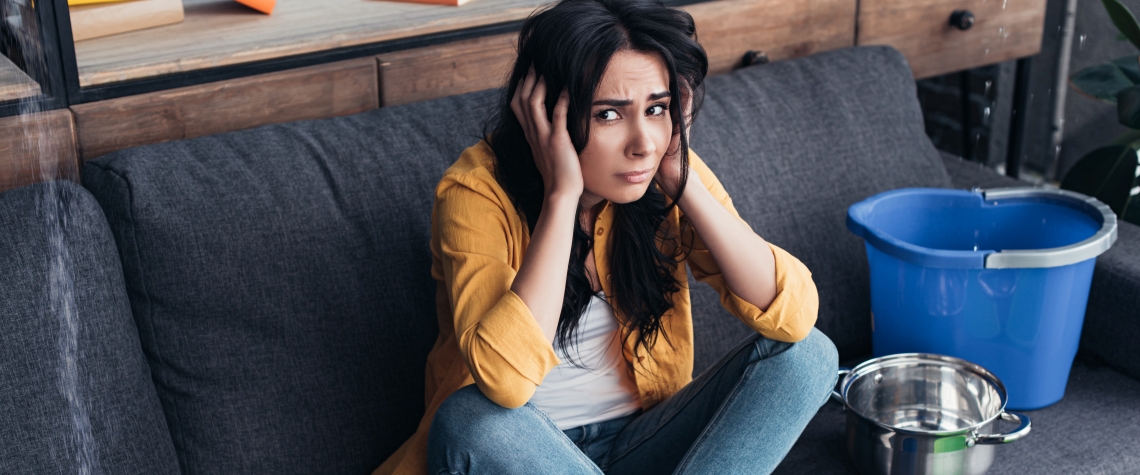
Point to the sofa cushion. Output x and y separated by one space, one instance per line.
281 280
67 330
795 143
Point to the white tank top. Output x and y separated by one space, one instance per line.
600 387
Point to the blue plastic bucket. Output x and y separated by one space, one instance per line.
999 278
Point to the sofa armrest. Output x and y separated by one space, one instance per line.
1112 321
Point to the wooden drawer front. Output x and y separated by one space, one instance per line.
313 92
921 30
782 29
726 28
453 68
26 141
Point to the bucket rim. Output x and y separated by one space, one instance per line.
1086 249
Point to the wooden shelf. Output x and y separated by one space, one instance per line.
14 84
223 33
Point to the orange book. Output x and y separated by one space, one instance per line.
263 6
454 3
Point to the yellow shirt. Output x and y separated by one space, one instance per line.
487 335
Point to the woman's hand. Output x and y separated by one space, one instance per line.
668 175
554 153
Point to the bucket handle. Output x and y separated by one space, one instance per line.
1023 428
842 376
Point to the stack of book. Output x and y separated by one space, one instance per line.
95 18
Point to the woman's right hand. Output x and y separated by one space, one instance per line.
554 153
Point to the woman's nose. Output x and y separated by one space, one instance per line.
641 142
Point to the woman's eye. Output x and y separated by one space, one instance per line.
608 115
656 109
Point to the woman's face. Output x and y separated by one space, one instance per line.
630 129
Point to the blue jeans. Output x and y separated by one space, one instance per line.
742 415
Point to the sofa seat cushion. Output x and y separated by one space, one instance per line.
62 300
1092 430
795 143
280 277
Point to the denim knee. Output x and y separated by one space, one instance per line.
814 359
820 362
453 422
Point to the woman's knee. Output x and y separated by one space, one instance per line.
457 416
468 416
819 361
813 359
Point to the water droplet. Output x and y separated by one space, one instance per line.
878 378
1135 191
1057 151
1003 4
985 115
1082 44
988 84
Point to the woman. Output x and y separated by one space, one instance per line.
559 247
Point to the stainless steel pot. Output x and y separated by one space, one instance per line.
918 413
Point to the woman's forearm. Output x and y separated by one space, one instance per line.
541 280
744 258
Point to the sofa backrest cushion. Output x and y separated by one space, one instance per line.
75 390
796 143
281 280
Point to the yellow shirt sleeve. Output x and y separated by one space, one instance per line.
792 314
502 344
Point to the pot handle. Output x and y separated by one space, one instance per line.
843 372
1023 428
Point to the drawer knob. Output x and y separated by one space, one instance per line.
752 58
962 19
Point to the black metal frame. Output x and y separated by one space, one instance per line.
53 90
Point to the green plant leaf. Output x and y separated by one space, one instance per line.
1132 212
1128 107
1124 20
1103 81
1107 173
1129 66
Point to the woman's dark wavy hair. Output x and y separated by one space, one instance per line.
569 45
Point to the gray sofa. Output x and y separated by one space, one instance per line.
260 301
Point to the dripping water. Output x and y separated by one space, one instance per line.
21 22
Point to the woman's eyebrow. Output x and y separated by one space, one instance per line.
625 102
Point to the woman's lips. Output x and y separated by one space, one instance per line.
635 177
